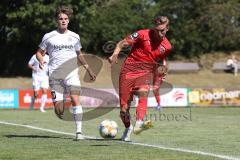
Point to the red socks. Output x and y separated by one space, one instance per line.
141 108
157 99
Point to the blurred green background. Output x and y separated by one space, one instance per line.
197 27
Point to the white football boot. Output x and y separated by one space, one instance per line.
127 134
79 136
146 125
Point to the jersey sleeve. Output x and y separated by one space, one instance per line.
78 45
167 48
43 44
31 61
133 38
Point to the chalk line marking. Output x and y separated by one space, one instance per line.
132 143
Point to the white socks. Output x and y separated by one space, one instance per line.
43 101
77 116
139 123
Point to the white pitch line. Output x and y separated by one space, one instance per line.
43 129
133 143
187 151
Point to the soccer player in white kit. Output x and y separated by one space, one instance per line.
63 46
40 79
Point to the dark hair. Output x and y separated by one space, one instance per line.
161 20
64 9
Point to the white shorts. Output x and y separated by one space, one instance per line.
62 87
40 82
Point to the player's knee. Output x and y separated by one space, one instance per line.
124 108
44 91
156 91
143 93
75 100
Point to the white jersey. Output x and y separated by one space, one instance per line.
60 47
38 71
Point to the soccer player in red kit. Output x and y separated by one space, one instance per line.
148 47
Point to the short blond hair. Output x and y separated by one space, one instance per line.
64 9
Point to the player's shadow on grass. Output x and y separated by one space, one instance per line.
100 145
101 139
33 136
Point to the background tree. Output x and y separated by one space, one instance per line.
196 27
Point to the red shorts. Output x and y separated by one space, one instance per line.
131 81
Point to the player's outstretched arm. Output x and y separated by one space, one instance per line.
114 56
83 62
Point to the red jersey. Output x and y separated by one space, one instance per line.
147 47
137 70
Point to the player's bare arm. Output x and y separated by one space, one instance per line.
163 69
120 45
39 56
83 62
31 67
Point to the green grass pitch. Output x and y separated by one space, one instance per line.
213 131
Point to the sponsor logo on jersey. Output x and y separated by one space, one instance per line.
60 47
134 36
162 50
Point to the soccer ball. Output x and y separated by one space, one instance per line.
108 129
